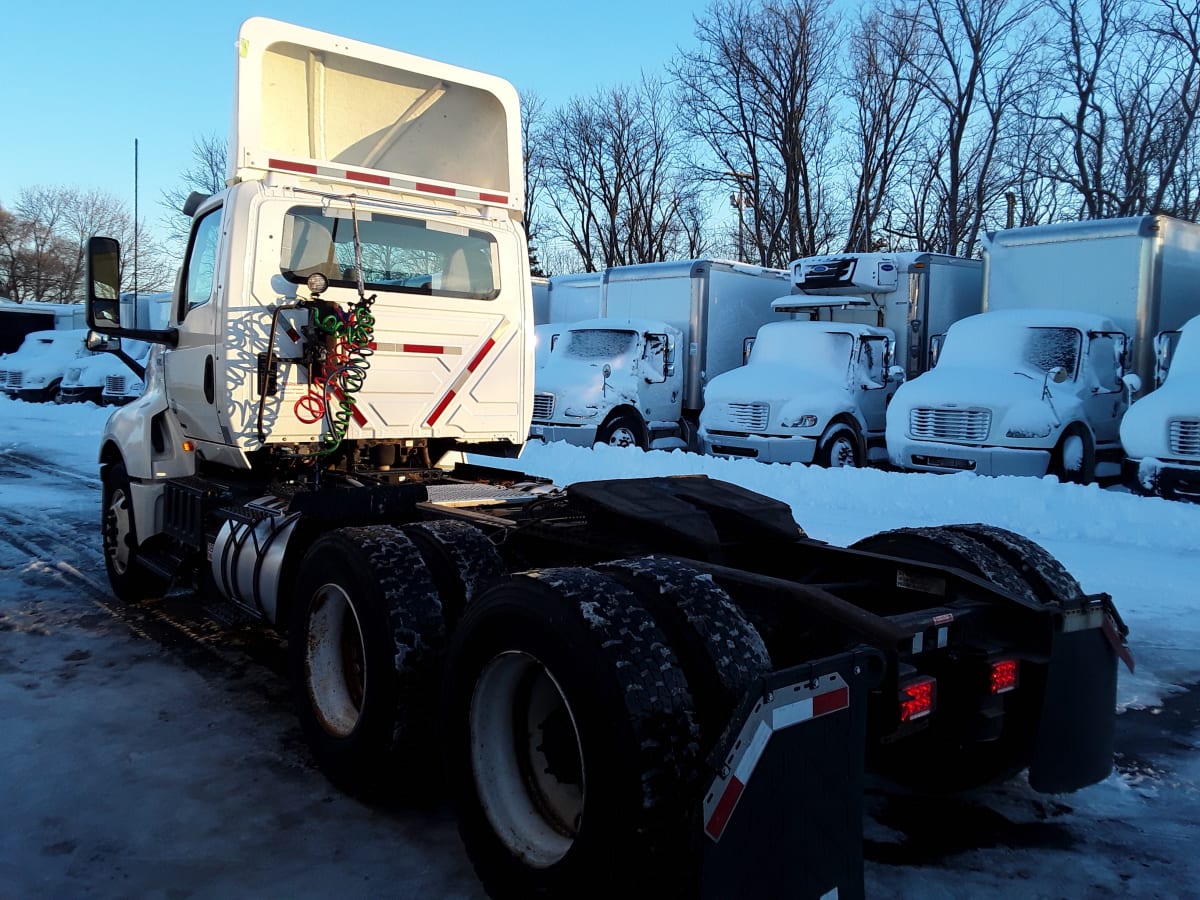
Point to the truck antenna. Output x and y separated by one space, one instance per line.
135 227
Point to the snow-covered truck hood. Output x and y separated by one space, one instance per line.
91 371
581 386
1013 400
1146 427
787 392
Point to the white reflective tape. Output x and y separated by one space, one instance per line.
918 642
830 895
943 633
791 714
758 743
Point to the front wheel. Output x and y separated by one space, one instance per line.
1075 457
622 431
130 581
839 448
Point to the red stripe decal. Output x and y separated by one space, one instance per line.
364 176
441 408
720 817
422 348
493 198
481 354
435 189
831 701
306 168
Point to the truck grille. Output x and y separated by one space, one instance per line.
543 406
114 384
1184 437
750 416
15 380
959 425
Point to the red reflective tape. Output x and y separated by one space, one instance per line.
493 198
441 408
293 334
481 354
831 701
715 826
306 168
422 348
435 189
367 177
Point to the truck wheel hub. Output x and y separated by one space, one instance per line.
335 660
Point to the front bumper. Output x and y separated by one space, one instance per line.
798 449
1162 478
579 435
928 456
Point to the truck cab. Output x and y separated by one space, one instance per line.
357 293
1017 392
607 381
811 392
1160 433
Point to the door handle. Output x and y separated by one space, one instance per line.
209 387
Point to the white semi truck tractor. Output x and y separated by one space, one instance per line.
638 687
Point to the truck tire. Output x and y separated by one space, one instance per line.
1049 579
570 741
130 581
941 759
720 651
462 561
365 645
622 430
839 447
1074 459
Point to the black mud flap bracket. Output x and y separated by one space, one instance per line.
1075 739
783 815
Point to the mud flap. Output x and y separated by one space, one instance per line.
1074 746
783 816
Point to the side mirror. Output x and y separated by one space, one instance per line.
101 343
103 274
1132 383
1058 375
896 373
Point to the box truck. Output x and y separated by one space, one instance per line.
634 375
817 393
1046 390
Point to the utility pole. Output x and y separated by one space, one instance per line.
741 201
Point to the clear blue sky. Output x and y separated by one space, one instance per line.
87 78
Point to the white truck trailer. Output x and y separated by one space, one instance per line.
1133 276
1160 433
634 373
626 686
818 393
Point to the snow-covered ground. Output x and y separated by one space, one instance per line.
135 767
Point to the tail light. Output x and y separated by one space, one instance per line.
1003 676
918 698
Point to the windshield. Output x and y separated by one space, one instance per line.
1034 350
594 344
803 347
401 254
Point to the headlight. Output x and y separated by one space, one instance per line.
587 412
37 379
1028 432
805 421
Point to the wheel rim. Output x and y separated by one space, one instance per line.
120 528
622 437
842 453
334 660
526 758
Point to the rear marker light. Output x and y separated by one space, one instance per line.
1004 676
918 699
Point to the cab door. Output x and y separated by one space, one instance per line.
193 369
875 389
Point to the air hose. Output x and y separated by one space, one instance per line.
343 373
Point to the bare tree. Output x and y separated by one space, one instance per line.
616 177
210 154
758 93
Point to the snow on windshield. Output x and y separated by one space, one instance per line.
795 344
992 343
595 344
